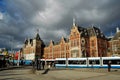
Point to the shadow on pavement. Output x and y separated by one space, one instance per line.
46 71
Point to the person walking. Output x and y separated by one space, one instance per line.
109 66
43 64
33 63
46 70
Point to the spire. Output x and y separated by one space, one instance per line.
73 21
117 29
37 34
92 25
99 27
111 34
37 31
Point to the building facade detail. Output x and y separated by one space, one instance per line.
33 48
82 42
114 44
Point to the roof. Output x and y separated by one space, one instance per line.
26 41
83 31
94 31
58 42
117 36
91 31
37 37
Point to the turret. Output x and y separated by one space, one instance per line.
117 30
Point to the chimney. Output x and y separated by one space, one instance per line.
117 29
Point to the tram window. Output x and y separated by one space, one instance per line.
77 62
114 62
105 61
83 62
94 62
73 62
118 62
60 62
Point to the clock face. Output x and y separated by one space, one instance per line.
82 42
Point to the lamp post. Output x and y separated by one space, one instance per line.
66 61
101 61
11 43
45 63
87 62
13 58
18 58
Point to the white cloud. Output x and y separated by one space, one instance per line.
54 17
52 14
92 14
19 46
1 16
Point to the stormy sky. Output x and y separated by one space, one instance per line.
20 19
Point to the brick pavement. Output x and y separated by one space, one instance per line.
60 74
81 74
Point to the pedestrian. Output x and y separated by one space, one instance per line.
43 64
22 62
109 66
33 63
46 71
53 64
49 65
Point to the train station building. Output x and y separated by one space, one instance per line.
82 42
114 44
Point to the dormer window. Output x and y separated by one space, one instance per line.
73 27
97 33
85 33
101 35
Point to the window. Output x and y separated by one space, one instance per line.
78 42
92 43
74 33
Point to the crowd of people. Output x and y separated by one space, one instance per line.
3 63
42 64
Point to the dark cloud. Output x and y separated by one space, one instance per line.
19 19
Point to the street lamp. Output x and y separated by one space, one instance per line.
66 61
87 62
101 61
13 58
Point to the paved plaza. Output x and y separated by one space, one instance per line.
60 74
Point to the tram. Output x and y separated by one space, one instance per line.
48 61
89 62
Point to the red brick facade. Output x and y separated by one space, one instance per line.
33 46
82 42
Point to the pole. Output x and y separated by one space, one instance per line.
87 62
12 49
18 58
66 61
101 61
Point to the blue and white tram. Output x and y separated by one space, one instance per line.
115 62
48 61
94 62
90 62
70 62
